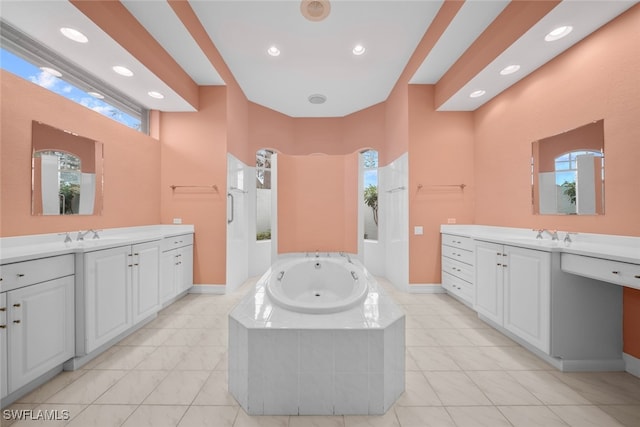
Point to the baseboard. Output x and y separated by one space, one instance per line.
429 288
208 289
631 364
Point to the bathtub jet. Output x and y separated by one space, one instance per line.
316 336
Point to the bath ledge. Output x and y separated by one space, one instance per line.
605 246
22 248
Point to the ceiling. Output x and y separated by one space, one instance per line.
466 53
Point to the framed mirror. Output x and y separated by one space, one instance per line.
66 172
567 172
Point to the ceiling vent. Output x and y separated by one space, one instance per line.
317 98
315 10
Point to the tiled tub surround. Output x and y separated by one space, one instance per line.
66 302
288 363
562 299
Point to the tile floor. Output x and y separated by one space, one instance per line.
459 373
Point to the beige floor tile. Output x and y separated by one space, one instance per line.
477 416
433 359
456 389
88 387
244 420
178 388
215 391
209 416
487 337
515 358
502 389
585 416
472 359
627 415
420 416
51 387
387 420
607 388
316 421
148 337
418 391
133 388
103 416
531 416
156 416
449 337
546 387
201 358
126 357
419 338
163 358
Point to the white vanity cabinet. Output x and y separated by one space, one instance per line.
3 345
37 315
513 288
176 266
121 287
458 266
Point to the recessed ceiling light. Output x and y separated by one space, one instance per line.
51 71
123 71
359 49
156 95
317 98
273 51
73 34
477 93
509 69
558 33
96 95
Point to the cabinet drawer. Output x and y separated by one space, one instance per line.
617 272
458 241
174 242
458 287
458 269
462 255
27 273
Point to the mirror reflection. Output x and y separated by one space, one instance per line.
568 172
66 173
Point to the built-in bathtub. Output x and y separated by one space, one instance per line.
316 336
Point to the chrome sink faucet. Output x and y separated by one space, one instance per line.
81 234
552 233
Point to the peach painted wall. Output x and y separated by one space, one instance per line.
131 162
441 146
194 152
318 203
596 79
334 135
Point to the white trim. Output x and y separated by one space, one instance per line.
426 288
631 364
208 289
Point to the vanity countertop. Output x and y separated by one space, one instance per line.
611 247
22 248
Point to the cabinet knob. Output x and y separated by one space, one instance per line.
16 321
637 276
3 326
20 274
0 279
615 272
3 308
499 265
136 263
504 265
17 305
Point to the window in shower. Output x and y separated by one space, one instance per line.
263 194
370 196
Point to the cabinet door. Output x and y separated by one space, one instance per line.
185 265
489 276
527 288
146 280
41 329
168 287
3 345
108 294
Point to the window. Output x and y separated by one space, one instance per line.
370 197
26 58
263 194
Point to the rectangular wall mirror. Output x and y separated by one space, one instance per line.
66 177
567 172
